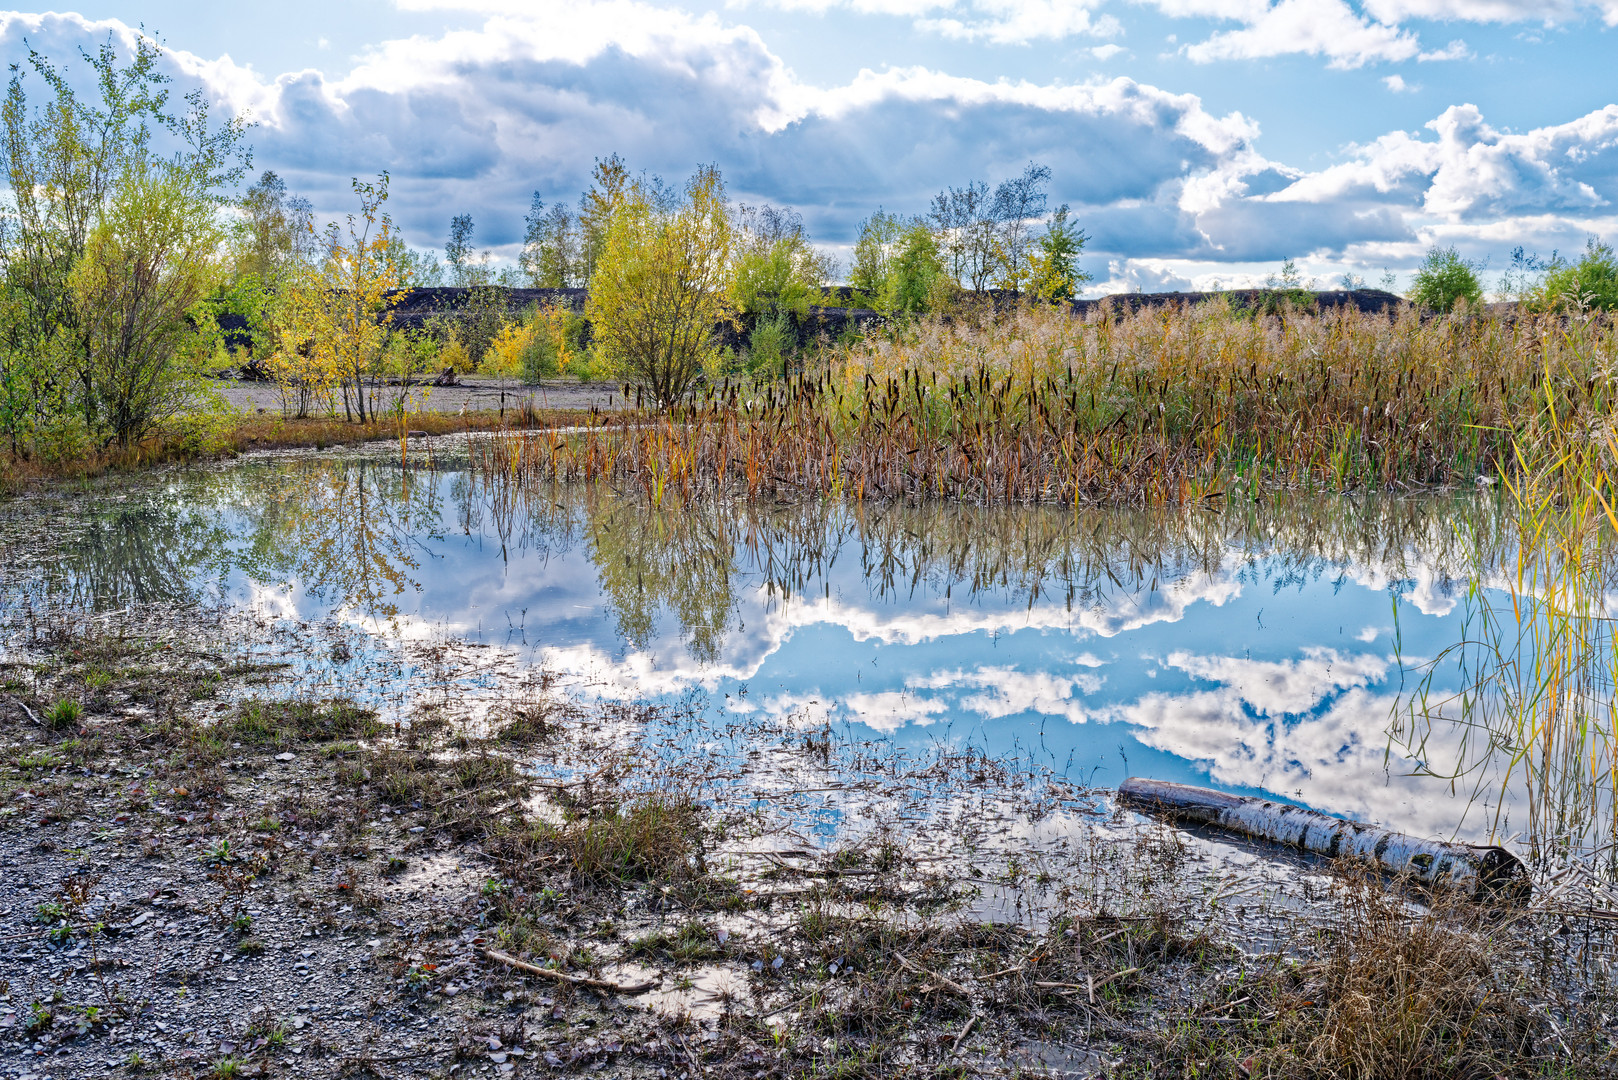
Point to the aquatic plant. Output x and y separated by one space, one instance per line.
1542 664
1163 405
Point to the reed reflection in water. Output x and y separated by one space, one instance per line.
1260 646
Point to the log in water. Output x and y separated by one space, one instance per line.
1478 870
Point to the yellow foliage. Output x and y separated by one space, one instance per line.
332 321
553 322
455 355
661 284
505 356
533 348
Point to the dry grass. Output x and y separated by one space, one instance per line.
1158 406
237 435
1389 990
651 837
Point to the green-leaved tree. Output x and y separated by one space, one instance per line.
1054 274
76 167
1589 284
662 282
1444 280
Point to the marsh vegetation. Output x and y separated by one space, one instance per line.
248 679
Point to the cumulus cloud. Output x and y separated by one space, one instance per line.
1327 28
473 120
1473 172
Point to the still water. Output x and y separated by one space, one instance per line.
1255 646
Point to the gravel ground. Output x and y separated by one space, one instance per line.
471 393
277 925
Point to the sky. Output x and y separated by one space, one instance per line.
1199 143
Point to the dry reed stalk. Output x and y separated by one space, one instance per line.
1156 407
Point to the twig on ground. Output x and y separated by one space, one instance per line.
965 1031
562 976
948 984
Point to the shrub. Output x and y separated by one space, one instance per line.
770 343
508 350
1590 283
660 285
454 355
542 345
1444 280
62 438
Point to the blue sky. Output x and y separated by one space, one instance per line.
1199 141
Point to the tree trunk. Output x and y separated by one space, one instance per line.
1478 870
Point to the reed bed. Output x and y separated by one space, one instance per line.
1543 653
1166 405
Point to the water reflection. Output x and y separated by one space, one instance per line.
1260 646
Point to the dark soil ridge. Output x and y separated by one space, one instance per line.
421 308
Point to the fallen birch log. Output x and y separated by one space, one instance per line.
1477 870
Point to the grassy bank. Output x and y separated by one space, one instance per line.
239 434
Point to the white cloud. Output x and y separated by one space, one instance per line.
476 119
889 711
1397 84
1327 28
1547 12
1018 22
1275 688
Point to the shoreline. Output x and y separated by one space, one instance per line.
378 866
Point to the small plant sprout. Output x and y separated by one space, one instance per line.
64 714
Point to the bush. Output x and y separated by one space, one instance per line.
455 355
1590 283
62 438
770 344
541 359
1444 280
544 344
506 352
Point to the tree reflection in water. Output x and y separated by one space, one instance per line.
355 532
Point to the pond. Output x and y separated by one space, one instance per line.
1261 646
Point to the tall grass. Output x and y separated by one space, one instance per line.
1185 405
1156 406
1543 658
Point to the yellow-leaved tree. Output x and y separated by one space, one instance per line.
146 268
332 319
660 286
